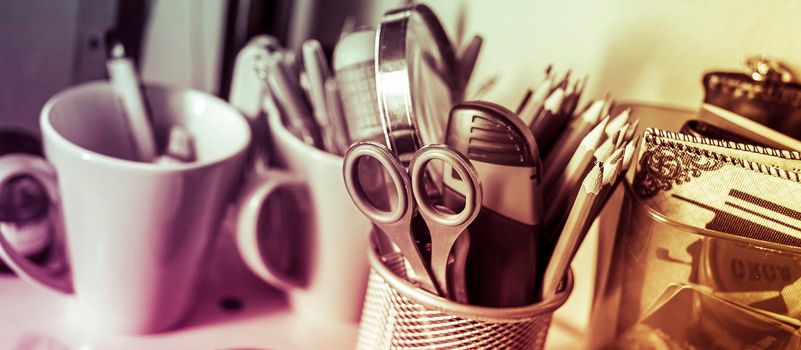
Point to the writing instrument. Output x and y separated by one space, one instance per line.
570 236
286 91
524 101
550 108
247 89
540 94
317 71
621 136
548 71
613 173
486 86
617 122
125 84
612 169
579 90
632 129
550 122
582 84
468 59
561 188
608 104
622 167
628 153
606 148
563 150
336 116
303 81
562 83
570 98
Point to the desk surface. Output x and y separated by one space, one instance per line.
33 318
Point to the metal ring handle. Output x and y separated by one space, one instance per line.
466 171
392 166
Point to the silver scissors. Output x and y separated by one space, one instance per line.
444 226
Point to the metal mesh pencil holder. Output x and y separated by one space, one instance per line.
398 315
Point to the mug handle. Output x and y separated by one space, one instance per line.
252 198
18 164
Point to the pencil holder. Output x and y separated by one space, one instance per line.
398 315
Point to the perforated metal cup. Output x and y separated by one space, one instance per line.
398 315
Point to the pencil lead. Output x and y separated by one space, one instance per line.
554 101
617 122
621 136
594 180
632 129
628 155
595 137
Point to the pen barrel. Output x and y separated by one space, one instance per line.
125 83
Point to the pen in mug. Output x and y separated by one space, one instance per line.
125 83
336 116
317 71
285 90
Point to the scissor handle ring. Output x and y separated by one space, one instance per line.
396 172
466 171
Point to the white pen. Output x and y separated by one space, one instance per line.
125 83
317 71
283 88
336 116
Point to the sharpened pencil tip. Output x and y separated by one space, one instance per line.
632 129
594 180
554 101
618 122
628 154
593 113
594 138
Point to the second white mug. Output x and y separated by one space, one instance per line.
298 230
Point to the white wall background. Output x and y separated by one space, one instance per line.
652 51
183 43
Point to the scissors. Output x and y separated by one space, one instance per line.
445 227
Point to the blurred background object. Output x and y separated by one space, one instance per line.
655 51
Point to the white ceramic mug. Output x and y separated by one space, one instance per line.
299 231
138 235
